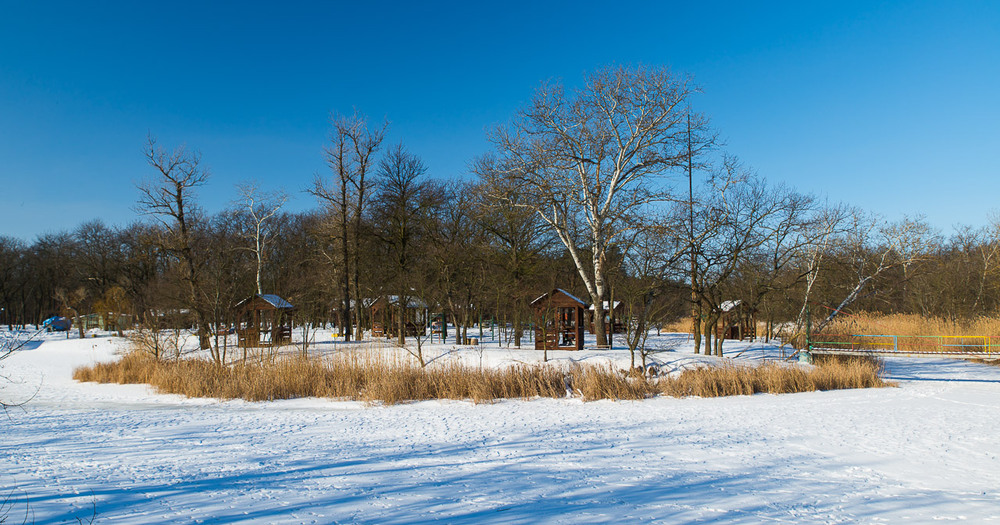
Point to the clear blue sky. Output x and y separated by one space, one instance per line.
891 106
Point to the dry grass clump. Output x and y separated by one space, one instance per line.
372 377
838 371
734 380
364 377
595 382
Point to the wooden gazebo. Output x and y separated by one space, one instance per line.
385 312
737 321
612 318
263 320
558 321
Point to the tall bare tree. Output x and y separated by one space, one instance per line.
405 201
871 248
745 226
350 156
456 256
259 208
12 278
518 236
645 281
827 225
594 159
169 198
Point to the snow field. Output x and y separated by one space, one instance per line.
921 452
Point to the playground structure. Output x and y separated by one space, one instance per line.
386 312
961 347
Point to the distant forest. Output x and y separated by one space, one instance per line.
585 190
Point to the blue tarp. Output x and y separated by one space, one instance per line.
58 324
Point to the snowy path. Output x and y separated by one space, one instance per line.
921 452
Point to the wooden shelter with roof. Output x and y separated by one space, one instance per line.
612 318
385 312
736 322
263 320
559 318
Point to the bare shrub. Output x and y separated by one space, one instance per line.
157 343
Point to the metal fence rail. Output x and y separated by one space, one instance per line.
972 346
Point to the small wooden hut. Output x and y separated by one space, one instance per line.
559 318
263 320
612 318
736 322
385 312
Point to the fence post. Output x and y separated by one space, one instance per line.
895 343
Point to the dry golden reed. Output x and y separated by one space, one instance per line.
913 325
735 380
366 377
372 377
682 325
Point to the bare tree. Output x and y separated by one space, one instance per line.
518 236
826 227
870 249
169 199
744 223
792 232
350 154
259 208
12 277
71 301
593 159
404 205
455 256
988 250
650 260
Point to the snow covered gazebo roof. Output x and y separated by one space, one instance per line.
265 301
617 304
412 302
729 305
583 304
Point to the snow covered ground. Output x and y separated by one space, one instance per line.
924 451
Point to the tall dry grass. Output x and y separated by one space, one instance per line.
736 380
372 377
682 325
912 325
365 377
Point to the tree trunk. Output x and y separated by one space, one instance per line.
401 321
696 325
345 256
599 328
709 332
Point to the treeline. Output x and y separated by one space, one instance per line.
585 190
